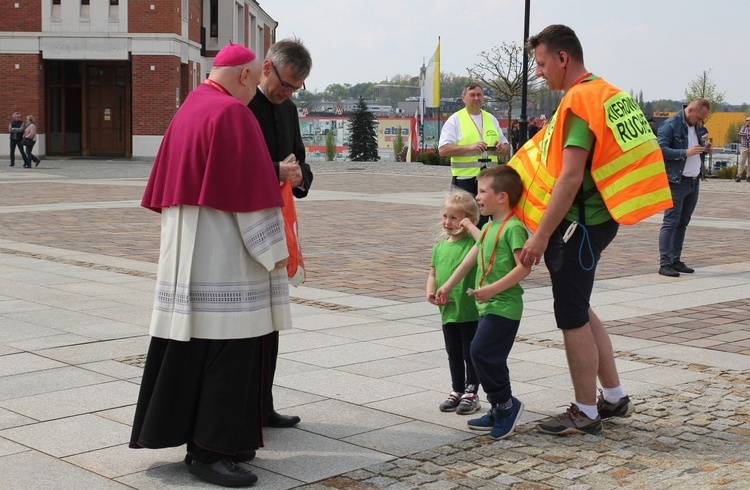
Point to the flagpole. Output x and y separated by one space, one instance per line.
438 101
420 107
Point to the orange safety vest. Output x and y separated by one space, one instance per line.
627 165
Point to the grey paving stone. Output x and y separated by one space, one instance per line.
337 419
11 419
25 362
300 340
423 406
123 415
327 320
378 330
100 351
48 380
57 474
407 438
343 386
13 329
434 378
285 398
420 342
341 355
116 461
49 342
309 457
9 447
75 401
114 369
72 435
384 368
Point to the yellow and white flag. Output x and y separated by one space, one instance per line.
432 80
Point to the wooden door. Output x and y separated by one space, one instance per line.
106 110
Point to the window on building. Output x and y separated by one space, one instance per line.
114 2
85 2
55 2
213 18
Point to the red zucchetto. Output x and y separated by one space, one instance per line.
233 55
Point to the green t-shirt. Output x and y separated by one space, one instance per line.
578 133
507 304
446 257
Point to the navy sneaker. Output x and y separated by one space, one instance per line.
485 422
506 420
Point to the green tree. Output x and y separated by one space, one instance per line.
703 87
362 90
403 79
336 92
330 146
546 100
501 69
398 145
363 134
733 133
451 85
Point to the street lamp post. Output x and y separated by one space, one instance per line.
523 129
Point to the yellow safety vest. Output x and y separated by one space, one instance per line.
627 165
469 166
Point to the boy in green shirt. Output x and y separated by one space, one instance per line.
498 294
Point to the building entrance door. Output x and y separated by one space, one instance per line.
108 110
89 108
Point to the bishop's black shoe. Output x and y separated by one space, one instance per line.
275 419
224 472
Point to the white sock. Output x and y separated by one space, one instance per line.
613 395
589 410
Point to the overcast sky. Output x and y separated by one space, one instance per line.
657 46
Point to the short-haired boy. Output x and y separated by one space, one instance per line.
498 294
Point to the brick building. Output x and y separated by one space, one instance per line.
105 77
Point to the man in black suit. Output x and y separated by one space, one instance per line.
285 69
532 128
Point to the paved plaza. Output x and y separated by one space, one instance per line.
365 366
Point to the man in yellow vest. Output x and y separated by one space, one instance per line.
573 145
472 138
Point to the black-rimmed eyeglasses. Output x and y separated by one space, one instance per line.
287 85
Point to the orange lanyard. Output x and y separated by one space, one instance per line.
494 250
218 87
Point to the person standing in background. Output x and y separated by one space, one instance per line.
29 140
684 152
16 129
472 138
744 150
533 128
287 65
